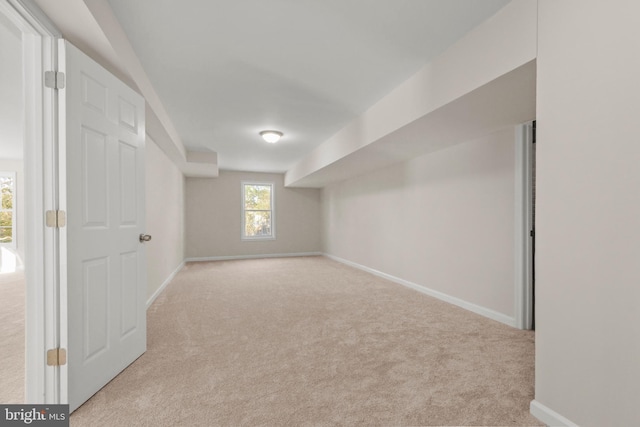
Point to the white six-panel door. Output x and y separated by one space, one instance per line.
105 261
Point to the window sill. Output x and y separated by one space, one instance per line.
257 239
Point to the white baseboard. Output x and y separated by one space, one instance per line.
164 285
549 416
483 311
234 257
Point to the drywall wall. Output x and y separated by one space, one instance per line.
444 221
17 167
588 176
165 217
214 217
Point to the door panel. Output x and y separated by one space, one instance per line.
105 261
129 296
95 288
94 178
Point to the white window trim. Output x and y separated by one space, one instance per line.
12 175
273 212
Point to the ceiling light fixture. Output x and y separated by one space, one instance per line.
271 136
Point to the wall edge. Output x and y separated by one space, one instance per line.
483 311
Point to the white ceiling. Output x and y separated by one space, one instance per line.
10 90
226 69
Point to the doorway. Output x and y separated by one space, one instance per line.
525 225
533 226
12 237
34 188
50 125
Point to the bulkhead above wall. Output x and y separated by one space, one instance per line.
484 82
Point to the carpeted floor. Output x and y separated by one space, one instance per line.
309 341
12 308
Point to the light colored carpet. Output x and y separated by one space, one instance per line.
309 341
12 309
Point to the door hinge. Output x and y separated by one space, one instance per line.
54 79
57 357
56 219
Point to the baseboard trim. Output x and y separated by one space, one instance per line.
483 311
549 416
168 280
258 256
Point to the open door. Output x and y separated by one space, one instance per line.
103 266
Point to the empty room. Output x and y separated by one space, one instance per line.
360 212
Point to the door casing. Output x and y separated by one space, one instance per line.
39 38
523 226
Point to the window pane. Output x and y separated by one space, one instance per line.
6 188
257 223
5 235
257 197
6 181
6 219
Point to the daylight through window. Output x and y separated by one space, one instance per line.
257 211
7 210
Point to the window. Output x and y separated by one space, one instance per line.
7 208
258 220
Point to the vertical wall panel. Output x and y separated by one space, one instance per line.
164 182
444 220
588 207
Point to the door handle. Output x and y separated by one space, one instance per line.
145 237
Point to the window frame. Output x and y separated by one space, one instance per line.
243 236
12 175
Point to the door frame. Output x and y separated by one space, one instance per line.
524 225
39 39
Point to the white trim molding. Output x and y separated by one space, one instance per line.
523 244
43 297
168 280
548 416
483 311
259 256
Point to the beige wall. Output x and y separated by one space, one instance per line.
214 217
588 238
444 221
17 166
165 217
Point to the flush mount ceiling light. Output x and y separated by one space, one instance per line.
271 136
